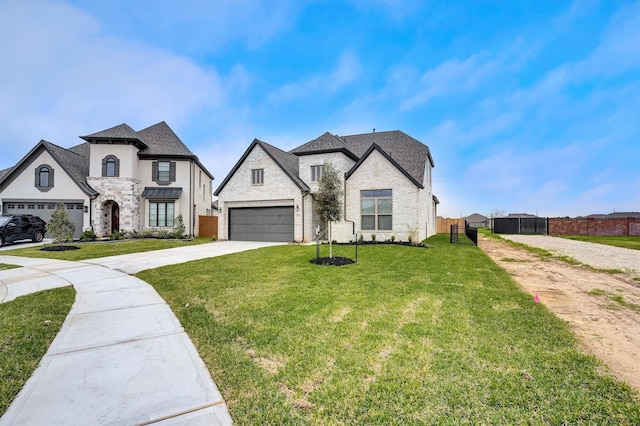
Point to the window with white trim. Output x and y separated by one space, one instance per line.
161 214
316 173
376 208
257 176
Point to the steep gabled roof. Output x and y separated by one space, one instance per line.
410 154
375 147
161 140
323 144
75 165
153 142
287 162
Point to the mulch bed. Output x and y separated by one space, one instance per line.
332 261
59 248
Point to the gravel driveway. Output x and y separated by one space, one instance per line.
599 256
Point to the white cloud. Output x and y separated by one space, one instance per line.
450 77
64 78
347 69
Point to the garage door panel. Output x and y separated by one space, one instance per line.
44 209
261 224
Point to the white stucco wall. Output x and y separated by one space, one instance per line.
127 154
277 190
23 188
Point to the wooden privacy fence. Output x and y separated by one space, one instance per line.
208 226
443 224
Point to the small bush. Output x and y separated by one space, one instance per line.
393 238
116 235
178 228
88 235
373 237
163 233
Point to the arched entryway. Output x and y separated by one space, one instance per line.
111 216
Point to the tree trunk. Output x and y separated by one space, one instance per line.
330 241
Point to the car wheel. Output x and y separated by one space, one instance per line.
37 236
1 240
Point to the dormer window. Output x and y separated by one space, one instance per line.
44 177
110 166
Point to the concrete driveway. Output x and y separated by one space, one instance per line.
121 356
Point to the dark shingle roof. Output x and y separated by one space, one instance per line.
161 140
410 154
153 142
616 215
74 164
287 162
5 172
157 140
119 132
325 143
404 152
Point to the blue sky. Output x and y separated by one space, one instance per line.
527 106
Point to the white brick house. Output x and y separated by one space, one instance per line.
387 189
118 180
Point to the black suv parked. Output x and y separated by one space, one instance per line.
21 227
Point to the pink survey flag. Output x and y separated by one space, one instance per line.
536 298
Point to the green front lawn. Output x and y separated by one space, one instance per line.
28 325
630 242
105 248
405 336
4 266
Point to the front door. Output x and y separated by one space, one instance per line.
115 217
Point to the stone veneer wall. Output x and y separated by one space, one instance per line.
124 191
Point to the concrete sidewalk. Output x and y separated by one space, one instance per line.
121 356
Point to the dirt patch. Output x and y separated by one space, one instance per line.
602 309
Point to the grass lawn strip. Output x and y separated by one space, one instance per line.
94 250
5 266
28 325
406 335
624 241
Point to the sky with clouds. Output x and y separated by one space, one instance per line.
527 106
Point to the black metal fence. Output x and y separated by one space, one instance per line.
520 225
468 235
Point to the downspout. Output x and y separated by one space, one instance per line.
304 194
192 211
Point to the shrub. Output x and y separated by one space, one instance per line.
116 235
88 235
393 238
163 233
373 237
178 228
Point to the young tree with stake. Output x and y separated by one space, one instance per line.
327 202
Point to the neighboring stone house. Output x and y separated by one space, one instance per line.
118 180
387 178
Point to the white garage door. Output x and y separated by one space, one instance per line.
261 224
43 209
